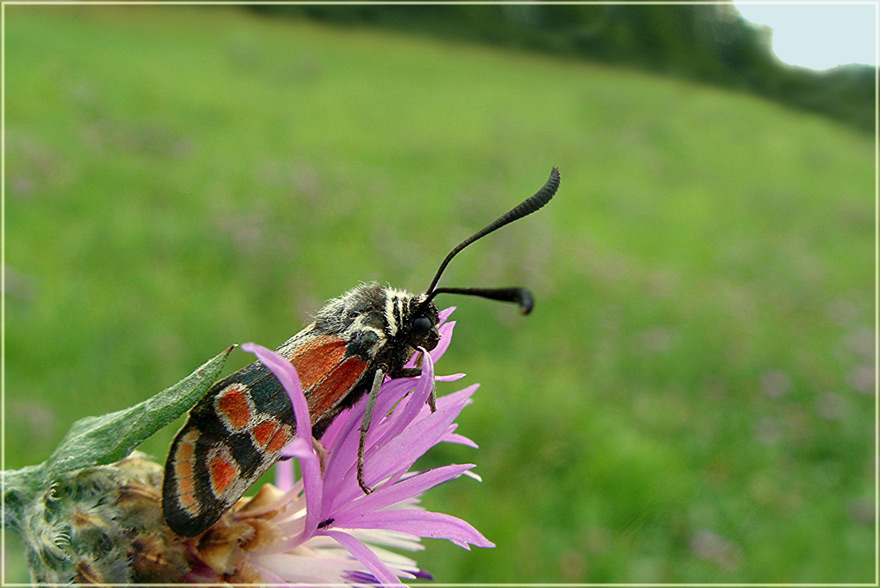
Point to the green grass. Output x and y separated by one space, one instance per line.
692 400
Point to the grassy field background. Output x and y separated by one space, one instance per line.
693 399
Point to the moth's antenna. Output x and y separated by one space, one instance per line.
525 208
519 295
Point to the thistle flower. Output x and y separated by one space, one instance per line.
322 527
90 523
100 525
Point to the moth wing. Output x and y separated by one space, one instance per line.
328 372
233 435
236 432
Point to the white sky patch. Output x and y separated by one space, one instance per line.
818 36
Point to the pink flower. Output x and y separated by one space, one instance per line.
322 527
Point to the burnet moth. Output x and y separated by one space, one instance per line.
237 430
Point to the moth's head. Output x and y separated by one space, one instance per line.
411 319
420 323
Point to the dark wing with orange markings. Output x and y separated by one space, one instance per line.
235 433
328 372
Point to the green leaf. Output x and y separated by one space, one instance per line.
109 438
19 488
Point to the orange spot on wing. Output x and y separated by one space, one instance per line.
233 403
186 489
264 432
279 439
185 451
183 470
222 471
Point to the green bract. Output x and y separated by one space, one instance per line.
95 441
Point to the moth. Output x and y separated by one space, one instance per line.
237 430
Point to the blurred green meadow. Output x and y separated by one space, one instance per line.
693 399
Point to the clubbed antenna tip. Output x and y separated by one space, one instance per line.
525 208
522 297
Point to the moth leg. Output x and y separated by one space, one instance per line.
320 451
365 425
417 371
432 399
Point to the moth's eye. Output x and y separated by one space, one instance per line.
421 326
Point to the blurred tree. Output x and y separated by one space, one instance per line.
711 43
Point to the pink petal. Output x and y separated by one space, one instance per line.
340 473
284 475
302 445
417 399
460 439
399 453
389 495
366 556
396 450
391 392
395 391
445 340
342 453
449 378
289 379
342 437
451 403
458 399
444 314
423 523
312 482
